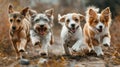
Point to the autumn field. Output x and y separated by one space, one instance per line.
56 58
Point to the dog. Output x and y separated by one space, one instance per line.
41 31
19 29
96 29
71 33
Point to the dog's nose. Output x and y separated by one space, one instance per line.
73 25
100 27
41 25
13 27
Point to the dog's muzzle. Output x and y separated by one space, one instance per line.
73 29
42 30
100 29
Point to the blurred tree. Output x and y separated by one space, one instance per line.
113 4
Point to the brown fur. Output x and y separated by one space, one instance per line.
92 21
19 36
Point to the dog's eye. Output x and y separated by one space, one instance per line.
96 21
18 20
11 20
76 20
37 20
68 20
45 19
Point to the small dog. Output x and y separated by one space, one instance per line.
19 29
96 29
41 32
71 33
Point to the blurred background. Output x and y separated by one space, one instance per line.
60 7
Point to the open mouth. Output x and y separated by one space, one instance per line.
100 30
42 31
73 30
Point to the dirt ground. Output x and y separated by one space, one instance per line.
57 59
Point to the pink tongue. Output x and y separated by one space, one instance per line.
100 30
73 30
42 32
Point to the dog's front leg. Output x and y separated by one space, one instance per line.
80 46
22 45
34 38
67 52
44 49
15 47
97 47
106 40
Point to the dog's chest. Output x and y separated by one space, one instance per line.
15 36
99 36
71 39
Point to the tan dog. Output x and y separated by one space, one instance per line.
19 29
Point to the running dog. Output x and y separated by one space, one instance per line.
41 32
96 29
71 33
19 29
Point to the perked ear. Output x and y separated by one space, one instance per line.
81 17
10 9
32 12
24 11
61 18
49 12
106 12
92 13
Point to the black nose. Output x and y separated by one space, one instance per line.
13 27
73 25
41 25
100 27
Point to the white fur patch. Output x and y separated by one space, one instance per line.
106 40
98 50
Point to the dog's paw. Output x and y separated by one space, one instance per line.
43 53
100 54
106 41
75 48
106 44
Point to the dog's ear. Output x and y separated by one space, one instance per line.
106 12
92 13
24 11
32 12
49 12
81 17
61 19
10 9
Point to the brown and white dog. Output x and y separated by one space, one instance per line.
19 29
71 33
96 29
41 31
